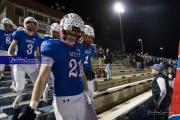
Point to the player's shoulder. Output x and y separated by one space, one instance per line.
19 32
80 45
92 47
53 44
52 41
1 31
46 37
37 35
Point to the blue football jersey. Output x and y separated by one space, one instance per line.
26 44
66 68
88 52
5 39
46 37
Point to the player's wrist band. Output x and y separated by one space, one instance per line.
33 104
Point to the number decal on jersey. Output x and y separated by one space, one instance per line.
73 65
30 47
8 40
86 60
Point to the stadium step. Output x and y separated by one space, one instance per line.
7 73
4 78
121 67
6 99
44 113
7 83
9 110
4 90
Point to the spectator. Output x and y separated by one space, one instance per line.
101 56
161 92
171 76
142 61
138 61
108 62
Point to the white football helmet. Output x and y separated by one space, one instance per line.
6 21
14 27
73 22
88 35
55 27
88 30
30 20
20 28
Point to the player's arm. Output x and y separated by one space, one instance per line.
84 80
12 47
92 66
39 86
28 113
37 52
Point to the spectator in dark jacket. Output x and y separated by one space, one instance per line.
108 62
138 61
161 92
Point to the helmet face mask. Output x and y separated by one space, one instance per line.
87 40
7 24
71 37
55 34
71 29
88 35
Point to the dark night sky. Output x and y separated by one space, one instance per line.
156 22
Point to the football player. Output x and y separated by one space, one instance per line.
55 35
55 32
64 58
87 59
5 41
28 42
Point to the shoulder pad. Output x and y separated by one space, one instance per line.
49 46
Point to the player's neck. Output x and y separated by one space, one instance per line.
30 33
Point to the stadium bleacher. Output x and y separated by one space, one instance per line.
126 84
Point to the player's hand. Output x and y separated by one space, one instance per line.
89 94
88 97
156 104
38 66
28 114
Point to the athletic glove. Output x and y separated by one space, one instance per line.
28 114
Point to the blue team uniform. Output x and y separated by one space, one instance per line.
66 67
46 37
26 44
88 52
5 39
